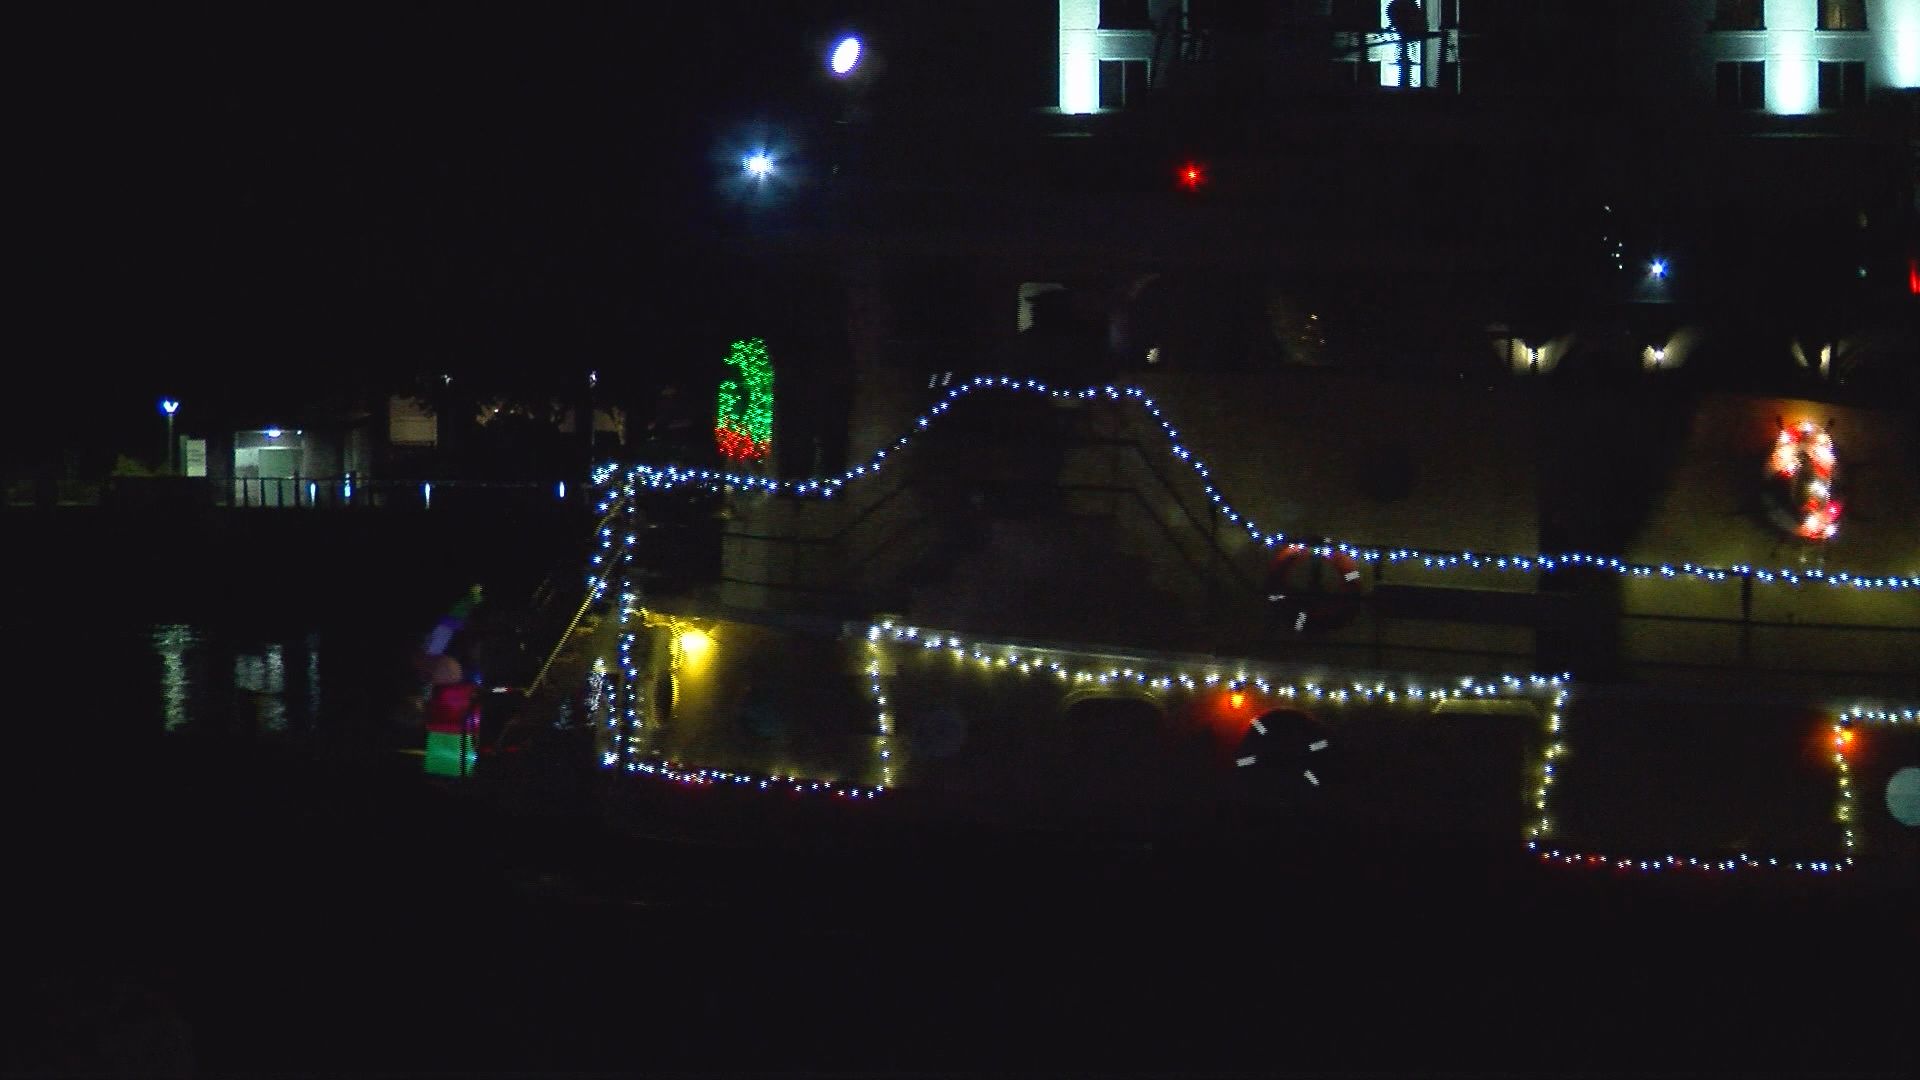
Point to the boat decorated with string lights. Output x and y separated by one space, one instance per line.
1041 605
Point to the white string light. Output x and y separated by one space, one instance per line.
1550 692
673 476
616 552
700 777
626 723
1841 730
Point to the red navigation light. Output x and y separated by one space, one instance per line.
1192 175
1843 739
1237 699
1913 276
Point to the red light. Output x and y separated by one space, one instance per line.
1913 276
1237 699
1192 176
1842 739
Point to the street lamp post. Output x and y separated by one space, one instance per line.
171 406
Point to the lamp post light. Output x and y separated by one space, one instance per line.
171 406
846 54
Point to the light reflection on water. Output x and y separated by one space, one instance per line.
262 678
247 684
172 642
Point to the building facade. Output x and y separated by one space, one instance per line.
1523 284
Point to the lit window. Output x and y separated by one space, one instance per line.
1408 24
1843 14
1405 18
1741 84
1739 15
1843 84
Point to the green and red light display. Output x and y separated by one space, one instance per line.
743 423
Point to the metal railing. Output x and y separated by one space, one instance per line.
1142 486
1217 570
546 595
358 493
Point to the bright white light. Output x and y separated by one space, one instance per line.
1904 46
845 55
1657 268
757 165
169 406
273 433
1079 83
1792 74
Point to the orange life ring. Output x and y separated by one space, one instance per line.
1314 591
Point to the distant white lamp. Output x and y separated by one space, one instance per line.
171 406
846 56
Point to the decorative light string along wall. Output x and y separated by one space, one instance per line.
1552 693
1234 677
1841 735
674 476
702 777
627 754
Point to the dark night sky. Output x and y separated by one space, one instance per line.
310 189
249 203
256 200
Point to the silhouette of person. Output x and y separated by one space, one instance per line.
1408 21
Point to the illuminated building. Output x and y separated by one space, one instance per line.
1492 284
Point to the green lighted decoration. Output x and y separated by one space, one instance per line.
451 754
743 424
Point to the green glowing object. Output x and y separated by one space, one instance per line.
743 423
450 754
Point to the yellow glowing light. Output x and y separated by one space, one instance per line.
694 644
